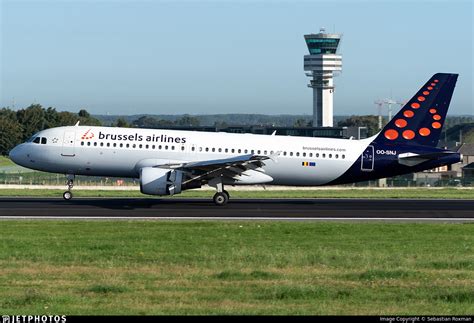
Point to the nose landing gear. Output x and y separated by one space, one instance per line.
70 184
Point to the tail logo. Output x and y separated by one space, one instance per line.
409 112
87 135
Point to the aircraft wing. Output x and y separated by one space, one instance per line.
227 167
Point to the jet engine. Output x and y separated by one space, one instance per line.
159 181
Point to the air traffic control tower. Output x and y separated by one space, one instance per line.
322 63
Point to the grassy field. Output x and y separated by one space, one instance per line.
4 161
73 267
426 193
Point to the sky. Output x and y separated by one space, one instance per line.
208 57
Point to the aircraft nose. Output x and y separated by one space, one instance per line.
15 154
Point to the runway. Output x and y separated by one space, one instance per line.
239 209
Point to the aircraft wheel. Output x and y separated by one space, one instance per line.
226 193
67 195
221 199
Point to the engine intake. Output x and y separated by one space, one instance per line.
159 181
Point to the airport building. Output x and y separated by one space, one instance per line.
322 64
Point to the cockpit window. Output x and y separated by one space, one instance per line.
43 140
37 140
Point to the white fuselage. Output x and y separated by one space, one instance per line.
120 152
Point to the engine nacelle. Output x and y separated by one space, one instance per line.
159 181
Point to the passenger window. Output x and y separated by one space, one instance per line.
115 144
291 153
108 144
220 150
140 146
133 146
284 153
233 150
153 147
324 155
265 152
166 147
121 145
192 148
43 141
128 145
343 156
239 151
337 156
207 149
102 144
330 155
227 150
297 154
310 154
172 147
317 155
37 140
88 143
304 154
82 143
147 146
182 148
253 151
213 149
246 151
95 144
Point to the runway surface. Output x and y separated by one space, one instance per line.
282 209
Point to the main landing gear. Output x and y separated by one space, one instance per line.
70 184
222 196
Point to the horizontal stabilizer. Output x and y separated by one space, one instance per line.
412 159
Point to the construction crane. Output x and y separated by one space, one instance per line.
389 103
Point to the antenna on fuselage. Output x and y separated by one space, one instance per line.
77 123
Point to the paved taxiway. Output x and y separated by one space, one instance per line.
284 209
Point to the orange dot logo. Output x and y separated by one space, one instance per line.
426 92
432 111
408 134
415 105
87 135
421 98
391 134
436 125
400 123
424 132
436 81
430 88
408 113
437 117
433 84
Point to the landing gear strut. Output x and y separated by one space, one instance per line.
70 184
222 196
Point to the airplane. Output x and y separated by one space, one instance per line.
167 162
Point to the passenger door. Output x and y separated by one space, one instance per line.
68 143
367 164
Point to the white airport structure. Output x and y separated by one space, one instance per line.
321 65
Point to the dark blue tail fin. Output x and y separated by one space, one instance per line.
420 121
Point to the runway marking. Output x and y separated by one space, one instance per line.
234 218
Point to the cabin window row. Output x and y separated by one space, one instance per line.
218 150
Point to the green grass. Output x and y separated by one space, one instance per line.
145 267
5 161
417 193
